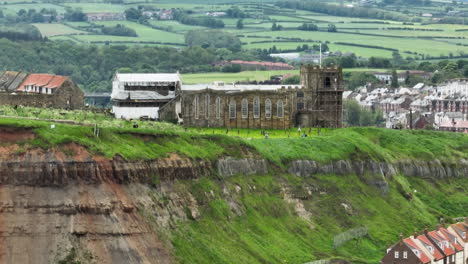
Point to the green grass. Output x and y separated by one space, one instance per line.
50 30
99 7
194 78
269 231
144 33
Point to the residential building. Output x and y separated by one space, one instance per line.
40 90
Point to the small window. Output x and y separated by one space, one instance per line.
232 109
300 94
405 254
464 235
300 106
218 108
327 82
256 108
397 254
268 108
431 249
416 252
196 107
245 108
279 109
207 106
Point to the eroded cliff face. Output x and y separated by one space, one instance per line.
62 200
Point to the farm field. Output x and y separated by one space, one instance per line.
50 30
98 7
257 28
422 46
194 78
14 8
145 33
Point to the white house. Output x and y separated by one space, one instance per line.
137 95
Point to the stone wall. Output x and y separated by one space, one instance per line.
67 96
208 109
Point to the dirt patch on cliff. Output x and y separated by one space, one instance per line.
13 135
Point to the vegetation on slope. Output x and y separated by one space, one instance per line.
270 231
342 144
255 219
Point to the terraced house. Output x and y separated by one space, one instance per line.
440 246
39 90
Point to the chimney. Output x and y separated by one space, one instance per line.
415 234
466 220
437 227
425 231
401 238
442 221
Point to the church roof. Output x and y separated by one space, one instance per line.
147 77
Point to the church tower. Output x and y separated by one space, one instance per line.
323 87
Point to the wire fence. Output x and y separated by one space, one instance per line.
321 261
351 234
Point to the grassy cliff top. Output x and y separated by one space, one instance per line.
161 139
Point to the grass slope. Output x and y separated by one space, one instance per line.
265 227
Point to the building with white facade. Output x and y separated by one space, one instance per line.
140 95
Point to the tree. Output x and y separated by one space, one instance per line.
332 28
213 39
394 83
75 15
296 79
358 116
358 79
276 27
119 30
240 24
133 14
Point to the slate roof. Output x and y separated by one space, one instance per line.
10 80
147 77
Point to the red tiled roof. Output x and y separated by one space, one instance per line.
263 63
450 237
424 259
437 254
438 238
43 80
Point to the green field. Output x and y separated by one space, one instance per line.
99 7
350 29
50 30
145 33
194 78
423 46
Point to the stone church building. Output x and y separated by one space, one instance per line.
317 102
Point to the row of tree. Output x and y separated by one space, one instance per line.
92 67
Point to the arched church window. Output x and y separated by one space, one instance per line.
232 109
268 108
218 107
256 108
279 109
245 108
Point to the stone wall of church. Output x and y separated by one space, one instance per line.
247 109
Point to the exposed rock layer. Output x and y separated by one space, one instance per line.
51 202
